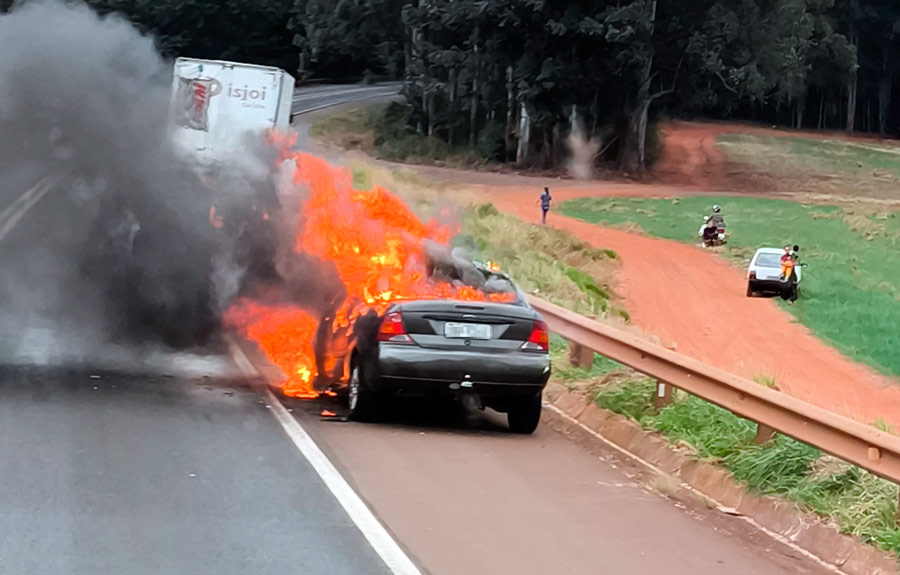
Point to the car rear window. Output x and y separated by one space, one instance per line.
456 270
768 260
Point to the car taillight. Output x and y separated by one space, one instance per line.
392 329
539 340
753 275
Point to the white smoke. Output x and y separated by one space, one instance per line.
582 152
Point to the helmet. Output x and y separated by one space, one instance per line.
716 208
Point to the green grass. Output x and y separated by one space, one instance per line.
850 294
383 131
353 122
785 155
542 260
861 503
798 165
572 274
566 372
553 264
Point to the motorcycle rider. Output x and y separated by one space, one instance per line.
716 218
710 232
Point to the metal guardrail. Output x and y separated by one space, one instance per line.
850 440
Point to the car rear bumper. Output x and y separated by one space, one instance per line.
421 370
768 285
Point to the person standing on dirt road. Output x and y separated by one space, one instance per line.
545 204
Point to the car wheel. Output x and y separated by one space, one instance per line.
361 400
749 289
524 416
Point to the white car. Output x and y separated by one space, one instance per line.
764 272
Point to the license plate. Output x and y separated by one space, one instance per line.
467 330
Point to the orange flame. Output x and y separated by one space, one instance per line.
377 246
286 336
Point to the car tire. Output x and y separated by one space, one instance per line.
749 289
361 399
523 416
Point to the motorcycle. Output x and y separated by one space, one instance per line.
711 236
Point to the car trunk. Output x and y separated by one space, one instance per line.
767 273
472 326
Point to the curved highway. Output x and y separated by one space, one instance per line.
153 463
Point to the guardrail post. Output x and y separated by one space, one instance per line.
663 395
581 356
838 435
764 434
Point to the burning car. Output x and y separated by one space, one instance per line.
484 354
372 300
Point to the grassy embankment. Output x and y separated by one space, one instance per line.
850 297
859 502
859 168
564 270
375 130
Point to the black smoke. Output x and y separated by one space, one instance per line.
121 247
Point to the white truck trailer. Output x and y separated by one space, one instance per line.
220 108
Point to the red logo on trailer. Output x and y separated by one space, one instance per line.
195 95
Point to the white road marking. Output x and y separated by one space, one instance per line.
17 210
378 537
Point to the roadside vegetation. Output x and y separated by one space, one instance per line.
520 76
859 502
382 131
846 168
511 81
564 270
542 260
850 294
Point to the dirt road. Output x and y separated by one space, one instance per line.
690 157
696 301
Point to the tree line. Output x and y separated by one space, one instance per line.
521 74
240 30
511 78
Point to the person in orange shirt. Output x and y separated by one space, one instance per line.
787 263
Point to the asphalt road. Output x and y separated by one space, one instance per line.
483 500
308 100
134 472
147 475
